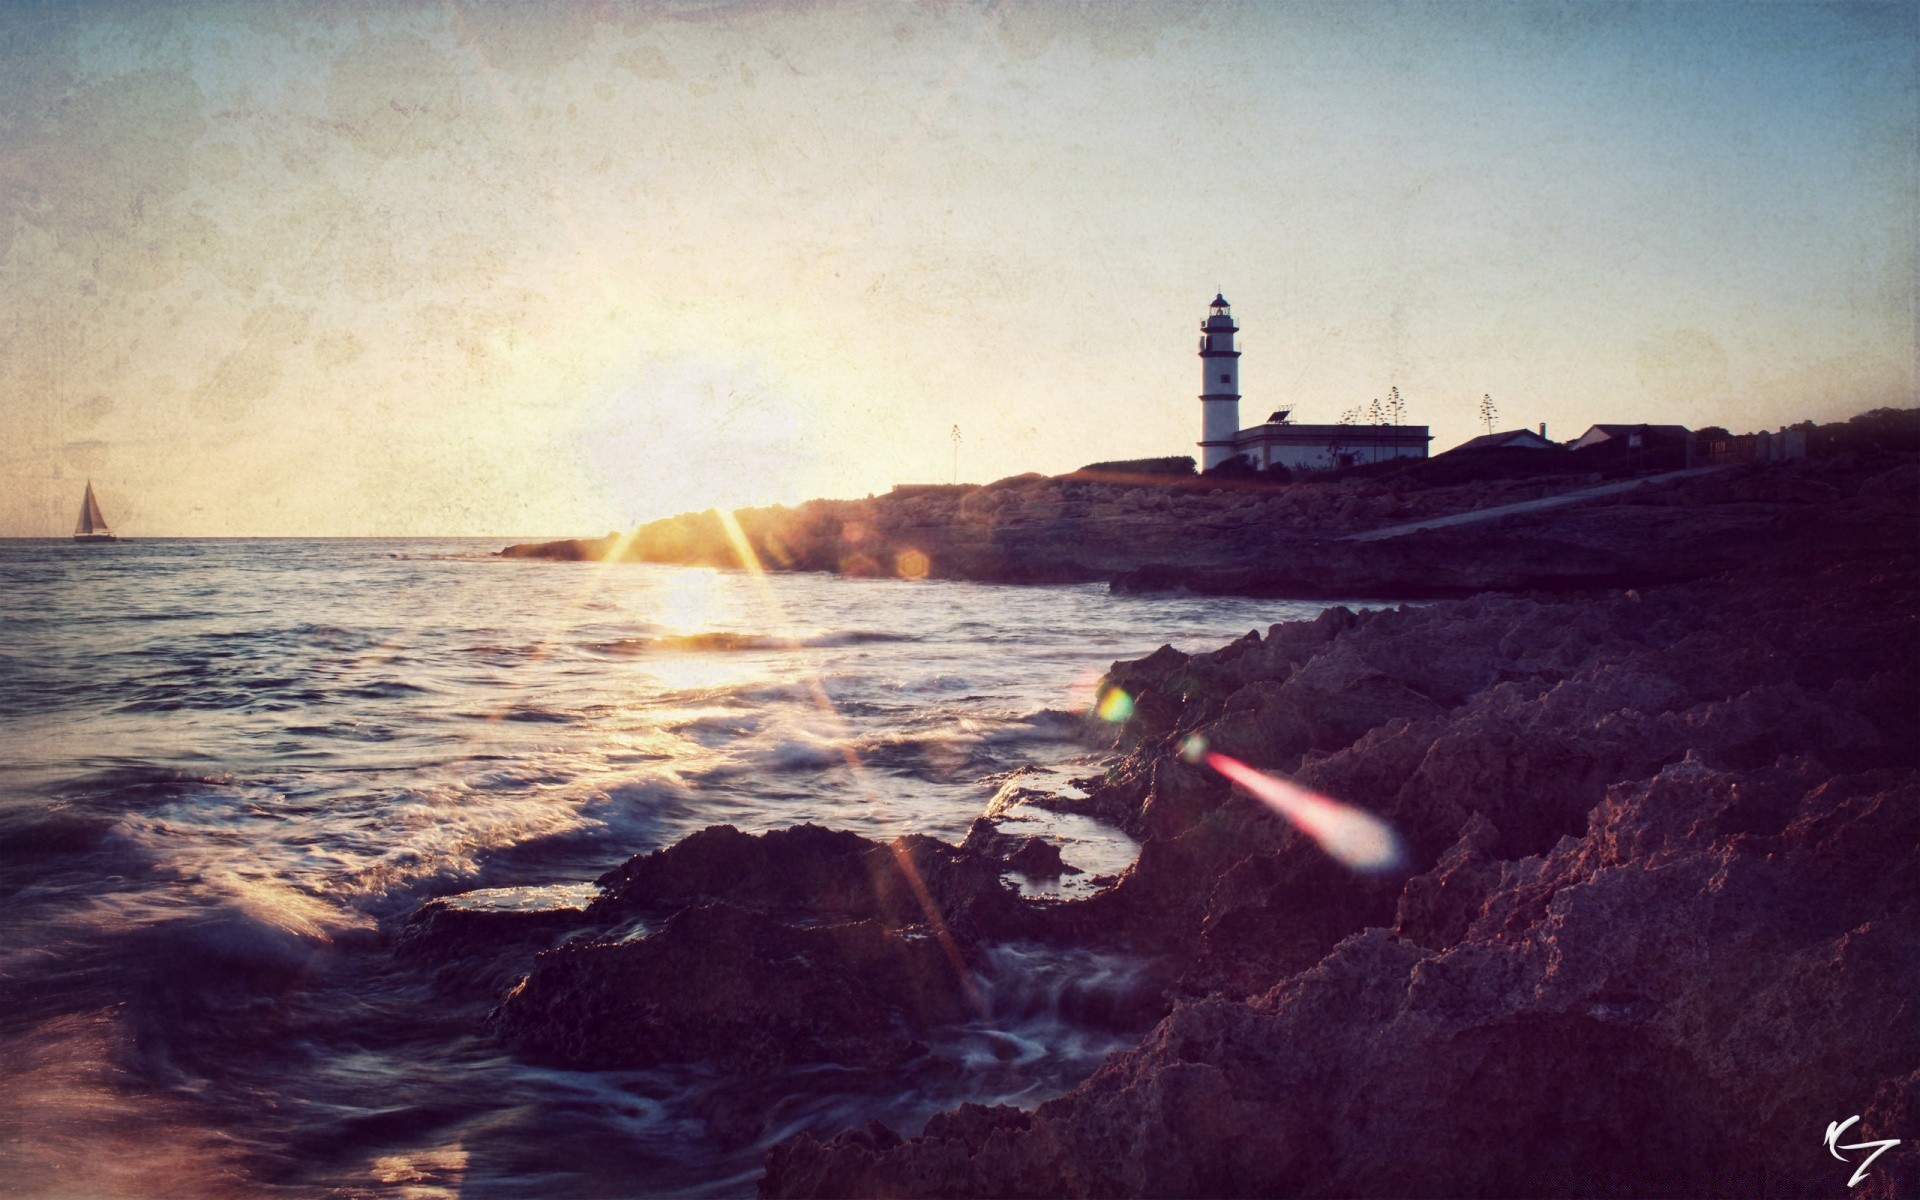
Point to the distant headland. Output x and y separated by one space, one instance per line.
1505 516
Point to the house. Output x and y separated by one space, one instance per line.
1512 439
1633 437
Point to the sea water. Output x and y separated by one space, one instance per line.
229 769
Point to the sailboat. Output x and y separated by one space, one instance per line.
92 527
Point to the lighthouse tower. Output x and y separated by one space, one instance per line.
1219 385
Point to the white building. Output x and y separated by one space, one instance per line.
1278 439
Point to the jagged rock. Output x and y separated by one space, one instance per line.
484 950
1032 856
816 873
1676 1021
1658 925
737 989
950 1159
798 946
806 868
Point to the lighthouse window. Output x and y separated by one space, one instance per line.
1225 378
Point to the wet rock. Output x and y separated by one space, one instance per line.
481 949
811 872
1032 856
795 947
805 869
737 989
1040 859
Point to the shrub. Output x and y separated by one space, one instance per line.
1181 465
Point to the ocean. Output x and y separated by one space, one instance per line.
229 770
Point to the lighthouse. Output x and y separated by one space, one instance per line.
1219 385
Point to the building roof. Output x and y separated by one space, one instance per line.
1602 433
1321 435
1616 430
1219 301
1512 437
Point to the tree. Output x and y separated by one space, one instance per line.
1488 412
1237 467
1396 407
1337 444
1375 414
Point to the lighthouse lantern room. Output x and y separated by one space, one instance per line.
1219 385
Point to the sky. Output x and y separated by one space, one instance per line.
332 269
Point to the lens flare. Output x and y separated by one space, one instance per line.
1355 839
911 564
1115 706
749 561
936 920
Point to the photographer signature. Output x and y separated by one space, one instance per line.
1836 1128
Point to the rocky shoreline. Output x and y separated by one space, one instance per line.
1235 537
1658 922
1080 528
1662 906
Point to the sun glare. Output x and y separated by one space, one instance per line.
688 599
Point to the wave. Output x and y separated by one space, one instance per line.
381 689
347 730
268 695
941 748
1041 725
723 642
250 849
134 784
532 714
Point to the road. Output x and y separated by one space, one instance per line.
1502 510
